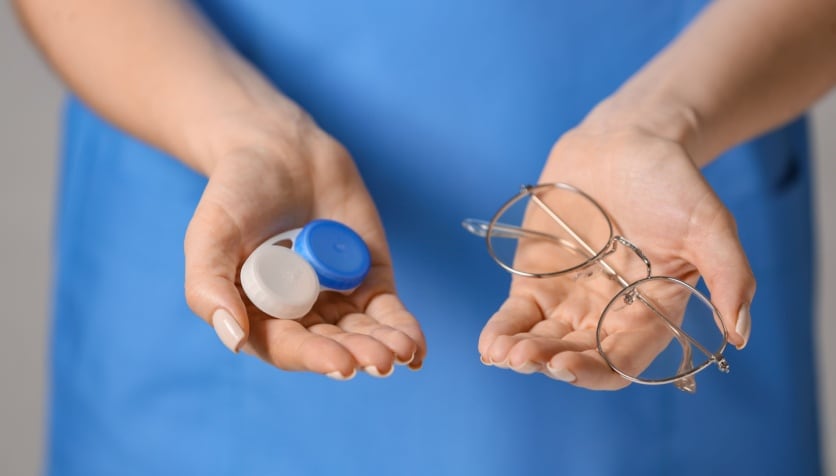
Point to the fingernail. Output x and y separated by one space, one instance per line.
404 362
248 349
527 367
561 374
744 325
485 360
503 365
416 367
228 329
374 372
337 375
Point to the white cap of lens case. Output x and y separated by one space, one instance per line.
284 275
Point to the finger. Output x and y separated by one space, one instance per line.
631 351
388 310
553 328
370 354
721 260
530 353
585 369
531 350
497 353
211 249
401 345
290 346
517 314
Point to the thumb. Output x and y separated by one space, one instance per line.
720 259
212 247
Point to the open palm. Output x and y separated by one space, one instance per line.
659 200
256 193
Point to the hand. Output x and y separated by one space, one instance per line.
277 179
658 199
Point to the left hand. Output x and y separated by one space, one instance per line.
659 200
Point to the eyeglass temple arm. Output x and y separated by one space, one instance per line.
504 230
580 241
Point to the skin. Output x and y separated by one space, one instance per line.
741 68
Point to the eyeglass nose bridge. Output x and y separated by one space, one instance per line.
635 249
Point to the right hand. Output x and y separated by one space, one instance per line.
277 178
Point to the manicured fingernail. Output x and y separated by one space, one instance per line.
337 375
485 360
228 329
375 372
248 349
503 365
561 374
527 367
744 325
404 362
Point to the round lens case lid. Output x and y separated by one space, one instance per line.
338 255
280 282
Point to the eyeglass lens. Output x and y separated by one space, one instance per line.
658 330
542 245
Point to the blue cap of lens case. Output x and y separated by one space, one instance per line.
338 255
285 282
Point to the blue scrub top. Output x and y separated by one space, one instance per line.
447 108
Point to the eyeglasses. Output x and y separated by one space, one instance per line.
654 330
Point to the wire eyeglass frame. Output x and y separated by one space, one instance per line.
684 379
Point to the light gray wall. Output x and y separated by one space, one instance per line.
29 109
29 105
824 146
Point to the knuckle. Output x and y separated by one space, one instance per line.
193 294
523 351
502 342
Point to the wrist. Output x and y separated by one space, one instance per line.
268 128
662 116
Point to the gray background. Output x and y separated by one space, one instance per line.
29 111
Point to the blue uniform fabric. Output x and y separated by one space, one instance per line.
447 108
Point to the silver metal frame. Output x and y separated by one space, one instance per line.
684 380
